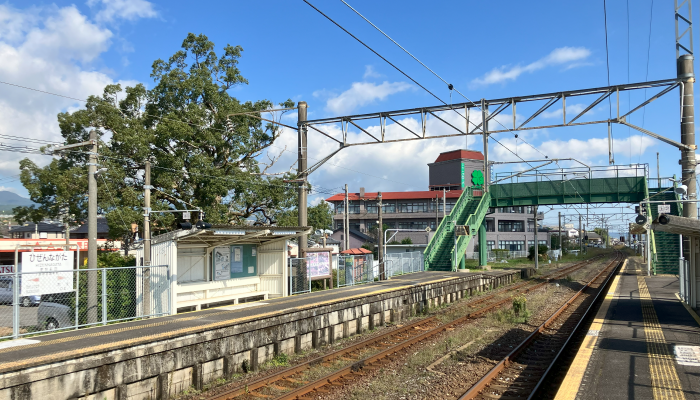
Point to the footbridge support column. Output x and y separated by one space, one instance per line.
483 247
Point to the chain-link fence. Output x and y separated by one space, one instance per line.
38 302
353 270
404 263
497 255
299 281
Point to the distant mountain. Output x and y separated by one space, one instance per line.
13 199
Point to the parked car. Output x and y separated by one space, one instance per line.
6 294
56 311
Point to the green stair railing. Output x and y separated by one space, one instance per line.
445 231
473 222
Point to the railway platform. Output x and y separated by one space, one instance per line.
159 358
643 343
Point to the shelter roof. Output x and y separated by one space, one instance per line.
219 235
42 227
356 252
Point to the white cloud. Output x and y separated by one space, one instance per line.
566 56
363 93
370 72
54 50
123 9
572 110
587 151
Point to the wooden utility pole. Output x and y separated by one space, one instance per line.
92 231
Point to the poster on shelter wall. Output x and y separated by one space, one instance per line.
237 261
222 263
39 274
318 263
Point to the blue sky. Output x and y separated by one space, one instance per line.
486 49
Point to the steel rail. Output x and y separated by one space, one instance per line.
487 379
288 372
385 355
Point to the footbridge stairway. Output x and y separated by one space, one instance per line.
470 209
667 249
474 204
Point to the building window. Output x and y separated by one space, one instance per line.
490 225
511 245
354 207
386 208
530 225
532 242
413 207
371 225
355 226
511 226
413 225
338 224
490 244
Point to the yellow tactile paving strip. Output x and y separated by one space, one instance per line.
172 333
570 387
664 377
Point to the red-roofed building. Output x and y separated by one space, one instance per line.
510 228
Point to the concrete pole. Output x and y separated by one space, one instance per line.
658 171
688 164
580 236
92 231
301 168
560 240
346 221
147 238
537 245
485 128
380 250
437 206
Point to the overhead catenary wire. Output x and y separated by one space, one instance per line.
646 77
38 151
449 85
607 65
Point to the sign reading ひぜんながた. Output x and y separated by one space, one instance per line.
40 276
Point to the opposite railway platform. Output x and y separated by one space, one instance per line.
159 358
644 343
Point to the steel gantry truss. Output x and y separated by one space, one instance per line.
499 106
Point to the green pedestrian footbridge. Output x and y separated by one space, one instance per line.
619 184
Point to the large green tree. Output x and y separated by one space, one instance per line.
319 216
202 156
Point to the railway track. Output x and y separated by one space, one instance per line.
353 361
520 374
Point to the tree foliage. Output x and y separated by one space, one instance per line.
202 156
319 216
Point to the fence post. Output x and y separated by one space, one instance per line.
77 297
104 296
15 298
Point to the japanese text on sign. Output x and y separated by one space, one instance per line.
39 274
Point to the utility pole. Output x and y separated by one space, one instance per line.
537 245
147 238
346 221
561 251
437 207
580 236
302 174
485 128
380 250
444 203
658 171
92 223
92 231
